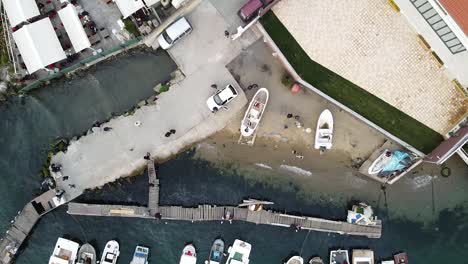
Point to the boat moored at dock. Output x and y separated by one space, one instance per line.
316 260
295 260
362 214
363 256
339 257
216 252
239 252
189 255
111 253
401 258
140 256
64 252
86 254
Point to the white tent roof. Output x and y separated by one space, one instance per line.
38 45
128 7
72 24
20 10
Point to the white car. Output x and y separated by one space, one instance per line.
221 98
174 33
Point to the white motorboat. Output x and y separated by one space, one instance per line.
140 256
110 253
86 254
189 255
324 132
239 252
363 256
295 260
64 252
316 260
339 257
361 214
254 112
380 162
216 252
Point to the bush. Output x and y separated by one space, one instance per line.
131 27
287 80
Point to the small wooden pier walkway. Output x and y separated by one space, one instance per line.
23 224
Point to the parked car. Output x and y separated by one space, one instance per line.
174 33
221 98
251 8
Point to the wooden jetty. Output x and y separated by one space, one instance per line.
23 224
153 192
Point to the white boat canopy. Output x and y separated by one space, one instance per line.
188 260
72 24
150 3
38 45
128 7
20 10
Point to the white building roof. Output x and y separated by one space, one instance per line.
38 45
72 24
149 3
20 10
128 7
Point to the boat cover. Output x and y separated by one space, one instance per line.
398 161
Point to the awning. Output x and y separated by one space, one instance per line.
150 3
72 24
128 7
20 10
38 45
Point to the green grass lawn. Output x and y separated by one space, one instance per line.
374 109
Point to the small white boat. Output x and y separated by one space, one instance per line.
86 254
189 255
110 253
316 260
380 162
324 132
363 256
239 252
254 112
216 252
295 260
140 256
339 257
64 252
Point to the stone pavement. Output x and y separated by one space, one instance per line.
370 44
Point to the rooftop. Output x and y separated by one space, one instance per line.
458 10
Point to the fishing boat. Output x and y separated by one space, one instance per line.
254 112
380 162
401 258
295 260
339 257
86 254
316 260
64 252
363 256
216 252
189 255
362 214
324 132
140 256
239 252
110 253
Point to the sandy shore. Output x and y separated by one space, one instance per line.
332 177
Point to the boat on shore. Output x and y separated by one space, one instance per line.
140 256
110 253
401 258
189 255
86 254
254 112
339 257
363 256
380 162
324 132
216 252
316 260
239 252
64 252
295 260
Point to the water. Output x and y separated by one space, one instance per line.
65 109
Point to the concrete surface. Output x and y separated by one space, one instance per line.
370 44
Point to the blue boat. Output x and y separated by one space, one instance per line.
140 256
217 252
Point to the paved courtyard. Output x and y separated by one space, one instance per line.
368 43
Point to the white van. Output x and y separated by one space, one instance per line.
174 32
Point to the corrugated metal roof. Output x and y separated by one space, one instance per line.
458 10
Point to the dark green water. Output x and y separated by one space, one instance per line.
66 109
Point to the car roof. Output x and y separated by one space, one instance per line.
177 28
225 94
251 6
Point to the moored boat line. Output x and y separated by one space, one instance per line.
295 260
140 256
189 255
65 252
86 254
216 252
110 253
